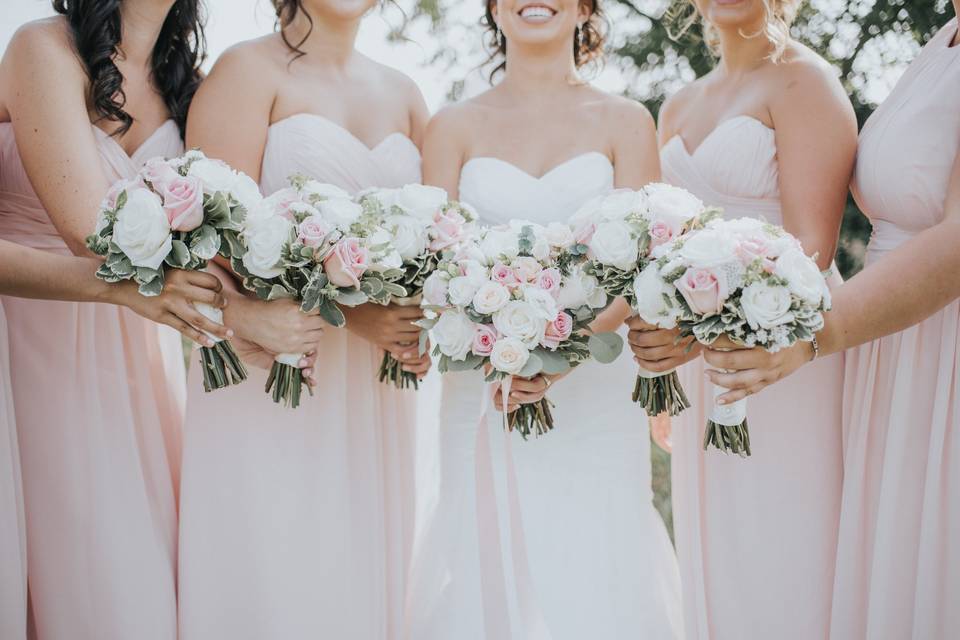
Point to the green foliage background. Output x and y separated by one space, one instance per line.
866 40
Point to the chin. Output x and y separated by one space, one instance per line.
339 9
538 22
732 13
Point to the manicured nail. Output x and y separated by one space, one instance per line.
721 401
229 333
308 372
302 363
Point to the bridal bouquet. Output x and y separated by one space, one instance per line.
172 215
422 224
515 302
747 280
623 231
309 243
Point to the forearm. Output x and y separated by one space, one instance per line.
612 317
30 273
909 285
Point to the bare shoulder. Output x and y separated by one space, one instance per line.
46 43
620 111
454 121
396 81
804 73
250 58
677 106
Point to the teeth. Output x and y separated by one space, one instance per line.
536 12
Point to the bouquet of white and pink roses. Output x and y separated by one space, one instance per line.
622 232
172 215
423 224
308 243
516 302
749 281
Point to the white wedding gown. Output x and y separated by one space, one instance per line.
583 553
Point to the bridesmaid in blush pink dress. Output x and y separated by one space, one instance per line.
98 390
299 523
756 537
898 563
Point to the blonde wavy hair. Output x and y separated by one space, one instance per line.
780 15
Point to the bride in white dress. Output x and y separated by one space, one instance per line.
570 547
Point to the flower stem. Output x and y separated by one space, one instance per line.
392 371
661 394
729 439
221 366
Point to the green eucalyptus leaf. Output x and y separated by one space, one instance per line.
605 347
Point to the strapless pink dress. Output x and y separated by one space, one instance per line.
756 537
299 523
898 562
13 543
99 397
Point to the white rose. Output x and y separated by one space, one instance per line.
619 204
649 289
559 235
316 190
490 297
672 205
802 275
509 355
386 261
500 243
521 320
766 306
710 247
409 236
265 238
453 334
215 175
541 248
579 289
462 289
470 252
435 289
474 271
421 201
246 192
142 230
341 212
588 211
543 301
613 244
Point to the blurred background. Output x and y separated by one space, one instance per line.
440 45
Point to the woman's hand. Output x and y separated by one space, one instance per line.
751 370
255 355
391 328
658 350
277 326
660 430
174 305
524 391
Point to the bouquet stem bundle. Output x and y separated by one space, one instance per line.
660 394
391 370
532 419
285 382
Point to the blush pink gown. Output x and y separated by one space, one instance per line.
756 537
13 548
299 523
98 393
898 563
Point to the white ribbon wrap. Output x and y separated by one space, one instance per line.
728 415
650 375
210 313
291 359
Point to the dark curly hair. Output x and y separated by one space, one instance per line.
180 49
587 48
287 10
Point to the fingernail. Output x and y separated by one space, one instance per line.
721 401
308 372
229 333
407 356
302 363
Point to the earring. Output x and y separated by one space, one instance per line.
500 38
580 37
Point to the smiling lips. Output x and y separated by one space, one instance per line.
537 13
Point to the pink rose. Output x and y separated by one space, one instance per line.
703 291
660 233
483 340
583 234
110 200
313 231
558 331
549 280
447 229
346 263
183 202
504 275
749 249
527 269
158 172
435 290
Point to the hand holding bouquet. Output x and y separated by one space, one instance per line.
308 243
423 224
514 302
172 215
623 232
751 282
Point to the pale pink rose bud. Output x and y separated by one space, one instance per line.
749 249
447 229
182 201
158 172
313 231
558 331
504 275
549 280
483 340
583 234
527 269
110 200
703 290
660 233
346 263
